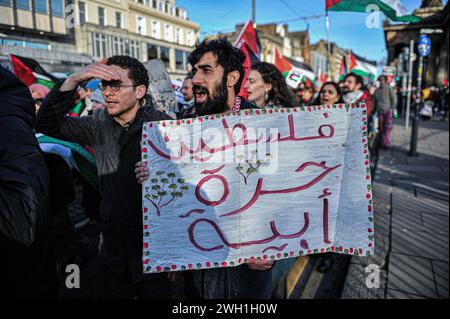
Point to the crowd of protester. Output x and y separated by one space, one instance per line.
47 194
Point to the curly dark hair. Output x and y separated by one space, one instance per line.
136 70
280 93
229 57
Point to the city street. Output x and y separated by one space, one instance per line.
411 219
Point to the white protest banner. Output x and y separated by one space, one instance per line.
263 183
160 87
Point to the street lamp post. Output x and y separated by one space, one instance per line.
410 69
424 48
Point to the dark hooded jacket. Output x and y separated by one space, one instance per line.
116 150
27 268
24 181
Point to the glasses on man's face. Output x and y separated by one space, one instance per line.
114 85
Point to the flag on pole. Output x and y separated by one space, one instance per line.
393 9
248 43
30 71
249 37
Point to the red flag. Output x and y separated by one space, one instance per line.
323 78
281 63
330 3
248 43
22 71
248 36
247 66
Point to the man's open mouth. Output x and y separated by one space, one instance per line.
201 95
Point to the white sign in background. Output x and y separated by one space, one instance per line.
267 184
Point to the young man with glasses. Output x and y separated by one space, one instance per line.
114 135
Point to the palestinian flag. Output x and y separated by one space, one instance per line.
30 71
282 63
293 75
393 9
364 69
75 155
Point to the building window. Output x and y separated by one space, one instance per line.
22 4
141 25
41 6
154 4
121 48
116 46
82 11
134 47
118 20
57 8
156 30
6 3
168 33
101 16
191 38
180 60
99 47
165 56
152 51
179 36
161 6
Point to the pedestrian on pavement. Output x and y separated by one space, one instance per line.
384 101
27 269
267 87
218 75
114 135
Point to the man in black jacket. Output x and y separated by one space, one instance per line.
114 134
26 268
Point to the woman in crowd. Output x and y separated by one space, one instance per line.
330 93
267 87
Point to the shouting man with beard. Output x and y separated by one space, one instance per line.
218 74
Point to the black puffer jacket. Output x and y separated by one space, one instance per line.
116 151
24 181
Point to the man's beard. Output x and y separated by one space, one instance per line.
214 104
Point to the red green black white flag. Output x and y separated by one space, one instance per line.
393 9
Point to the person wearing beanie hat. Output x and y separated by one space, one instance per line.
38 92
98 102
92 85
